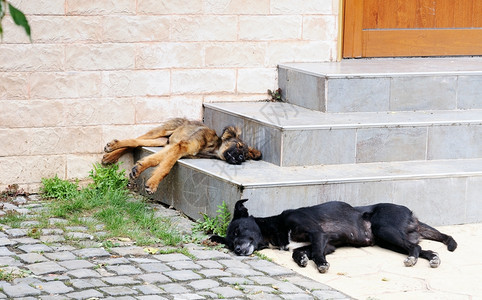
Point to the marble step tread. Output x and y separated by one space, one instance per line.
252 174
390 67
287 116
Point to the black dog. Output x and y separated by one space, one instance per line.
395 227
326 226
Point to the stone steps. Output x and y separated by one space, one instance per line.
290 135
384 84
430 188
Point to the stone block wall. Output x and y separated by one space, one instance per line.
98 70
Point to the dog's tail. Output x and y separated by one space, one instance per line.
433 234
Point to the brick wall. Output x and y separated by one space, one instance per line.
99 70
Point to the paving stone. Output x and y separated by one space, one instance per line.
86 294
297 296
269 267
52 231
154 278
16 232
76 228
227 292
243 271
210 264
9 206
307 283
204 284
56 287
5 252
53 277
35 248
79 236
83 273
143 260
53 297
112 261
54 221
124 270
133 250
20 290
31 281
120 280
174 288
76 264
63 255
45 268
20 200
9 261
214 273
91 252
209 295
182 275
256 289
118 290
171 257
26 240
51 238
330 294
236 280
29 223
209 254
151 297
32 258
120 298
184 265
6 242
187 296
154 267
87 283
148 289
233 263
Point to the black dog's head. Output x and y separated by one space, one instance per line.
243 235
233 150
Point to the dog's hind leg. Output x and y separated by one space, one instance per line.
319 242
302 255
430 233
432 257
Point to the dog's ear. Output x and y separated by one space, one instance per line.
254 154
240 211
367 216
230 132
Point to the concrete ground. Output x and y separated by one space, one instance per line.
376 273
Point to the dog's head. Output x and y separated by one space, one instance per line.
233 150
243 235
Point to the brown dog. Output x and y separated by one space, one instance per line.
181 138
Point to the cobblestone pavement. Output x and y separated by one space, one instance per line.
48 267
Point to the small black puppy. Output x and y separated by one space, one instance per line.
395 227
326 226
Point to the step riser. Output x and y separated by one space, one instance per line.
354 145
380 93
437 201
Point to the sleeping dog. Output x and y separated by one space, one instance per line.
330 225
326 226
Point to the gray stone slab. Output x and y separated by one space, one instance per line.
91 252
35 248
208 254
269 267
6 242
86 294
227 292
182 275
20 290
468 92
76 264
174 288
171 257
56 287
455 142
83 273
131 250
154 267
16 232
148 289
209 273
204 284
124 269
118 290
120 280
87 283
33 257
5 252
184 265
62 255
45 268
154 278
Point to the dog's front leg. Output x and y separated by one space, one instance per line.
167 161
319 241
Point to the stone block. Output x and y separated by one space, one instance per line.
235 7
302 6
170 7
256 80
148 110
299 51
59 85
235 54
203 81
65 30
28 114
204 28
170 55
144 28
100 57
26 57
106 7
262 28
13 86
136 83
320 28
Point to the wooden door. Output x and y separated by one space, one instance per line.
381 28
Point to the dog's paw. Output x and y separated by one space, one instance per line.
135 172
111 146
107 159
303 260
410 261
435 262
323 268
150 188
